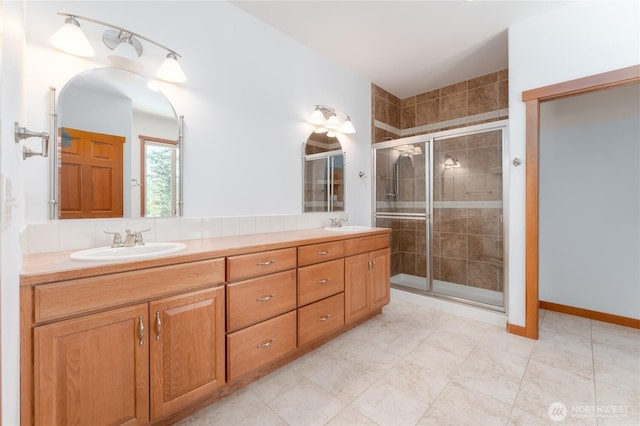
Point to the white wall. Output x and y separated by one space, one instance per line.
590 201
578 40
249 92
11 110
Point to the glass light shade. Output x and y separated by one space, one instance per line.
317 117
170 70
125 56
70 38
321 130
333 122
347 126
331 134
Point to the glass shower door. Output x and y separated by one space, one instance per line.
401 204
467 245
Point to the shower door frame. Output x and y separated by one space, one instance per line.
428 139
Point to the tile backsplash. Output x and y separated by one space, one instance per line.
59 235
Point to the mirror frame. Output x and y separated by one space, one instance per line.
54 149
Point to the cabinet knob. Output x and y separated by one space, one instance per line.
324 318
324 280
267 263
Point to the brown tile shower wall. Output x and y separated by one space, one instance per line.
437 108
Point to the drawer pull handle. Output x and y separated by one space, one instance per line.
324 280
267 263
324 318
158 325
266 298
323 252
140 331
265 344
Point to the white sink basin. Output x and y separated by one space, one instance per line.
349 228
126 253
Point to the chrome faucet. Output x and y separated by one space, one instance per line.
336 222
134 238
117 239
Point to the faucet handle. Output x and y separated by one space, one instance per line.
117 239
138 237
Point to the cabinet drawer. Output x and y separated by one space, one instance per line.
265 262
251 301
365 244
320 318
318 281
53 301
316 253
258 345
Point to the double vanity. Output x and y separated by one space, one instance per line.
154 338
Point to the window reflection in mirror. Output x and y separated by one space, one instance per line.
323 174
116 102
159 177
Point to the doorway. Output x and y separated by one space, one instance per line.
532 99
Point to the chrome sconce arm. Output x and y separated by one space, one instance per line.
23 133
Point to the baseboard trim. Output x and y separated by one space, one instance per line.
516 329
594 315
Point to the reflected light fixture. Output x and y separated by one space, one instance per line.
125 45
330 119
451 163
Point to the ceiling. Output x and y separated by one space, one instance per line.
405 47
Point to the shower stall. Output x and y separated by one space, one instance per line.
442 196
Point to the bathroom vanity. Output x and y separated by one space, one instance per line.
152 341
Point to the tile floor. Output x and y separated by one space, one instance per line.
418 366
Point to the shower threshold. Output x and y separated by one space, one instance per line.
491 298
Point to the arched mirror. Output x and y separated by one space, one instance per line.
120 144
323 172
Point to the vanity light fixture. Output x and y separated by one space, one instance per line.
124 43
330 119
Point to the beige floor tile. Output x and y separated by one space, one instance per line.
422 384
345 380
499 340
275 384
460 406
554 354
386 404
307 405
350 417
230 409
435 360
262 417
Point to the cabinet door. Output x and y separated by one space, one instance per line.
187 335
356 288
380 286
93 370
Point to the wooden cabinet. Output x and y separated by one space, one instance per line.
366 283
321 280
260 344
137 344
187 342
320 318
93 370
258 299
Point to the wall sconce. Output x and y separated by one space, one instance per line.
21 133
124 43
451 163
327 120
